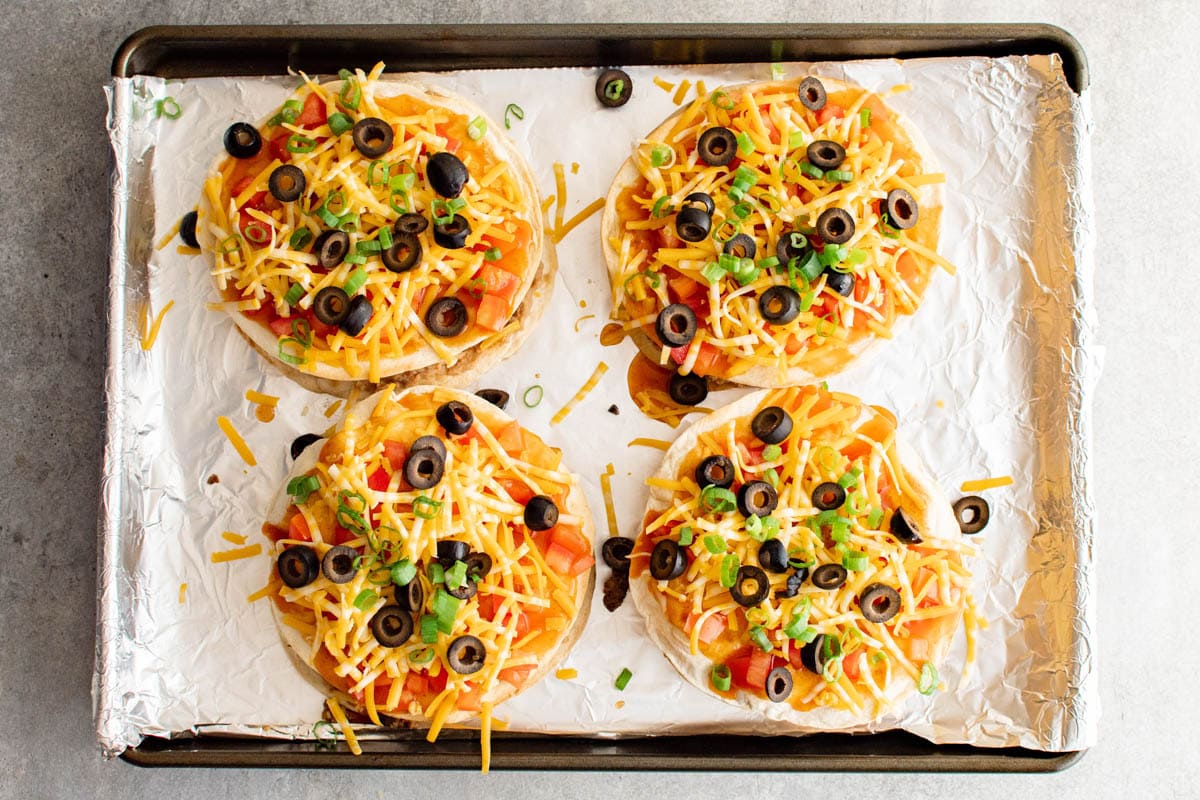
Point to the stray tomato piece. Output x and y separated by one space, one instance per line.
517 676
298 529
378 480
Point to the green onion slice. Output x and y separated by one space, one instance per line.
492 254
850 479
326 734
772 476
661 209
772 453
300 144
726 231
722 679
811 171
855 561
714 544
403 572
760 638
622 679
369 246
351 94
300 238
456 576
874 518
721 99
404 181
257 233
662 155
385 238
514 110
928 682
429 629
167 107
302 331
437 573
839 175
426 507
613 89
289 357
533 396
864 118
294 294
356 281
339 123
712 272
754 527
795 139
770 527
385 170
425 654
745 144
714 498
397 207
476 128
366 598
686 535
729 570
301 487
770 262
445 608
355 258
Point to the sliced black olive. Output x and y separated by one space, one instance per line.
812 655
779 685
840 282
187 229
357 315
423 469
828 496
879 603
791 244
478 565
812 94
741 246
447 174
667 560
972 513
835 225
411 223
497 397
464 592
676 325
331 248
286 183
715 471
703 199
541 514
430 443
242 140
411 596
824 154
466 655
614 88
773 556
616 586
779 304
446 317
372 137
717 146
901 209
751 586
452 235
301 443
392 625
688 390
338 564
757 498
692 224
451 550
771 425
455 417
298 566
905 528
829 576
331 304
794 582
615 551
404 254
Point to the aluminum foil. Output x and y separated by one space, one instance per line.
993 376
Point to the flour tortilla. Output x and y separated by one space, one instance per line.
300 647
929 200
935 518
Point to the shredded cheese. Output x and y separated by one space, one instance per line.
591 208
261 399
566 674
233 538
150 334
610 510
583 392
182 592
986 483
236 440
658 444
335 708
236 553
583 319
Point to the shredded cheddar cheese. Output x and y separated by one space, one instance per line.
182 592
236 440
150 334
610 510
591 208
566 674
583 319
236 553
335 708
261 399
986 483
233 538
583 392
658 444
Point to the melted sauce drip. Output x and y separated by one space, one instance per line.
648 388
612 333
264 413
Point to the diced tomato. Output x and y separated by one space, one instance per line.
470 698
581 566
492 312
516 489
341 535
438 683
750 456
830 111
452 144
241 185
860 290
378 480
906 266
559 559
313 114
279 149
499 282
750 671
572 538
667 237
282 326
706 359
713 627
679 354
298 529
541 454
684 287
512 439
396 453
851 664
517 676
486 604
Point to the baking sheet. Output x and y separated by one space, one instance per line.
992 377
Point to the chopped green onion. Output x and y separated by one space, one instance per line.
856 256
772 477
257 233
351 94
754 527
443 211
840 531
746 271
928 682
661 155
369 246
301 487
344 74
622 679
348 223
727 261
770 527
429 629
745 176
294 294
476 128
661 209
456 576
715 498
492 254
613 89
864 118
651 277
795 139
365 599
850 479
855 561
436 572
167 107
537 392
852 507
807 635
516 111
300 144
796 626
332 199
811 171
770 262
402 182
745 144
839 175
772 452
776 71
445 607
425 654
721 99
300 237
742 210
800 563
886 228
686 534
806 300
877 658
726 231
759 637
712 272
326 734
302 331
399 209
339 123
714 544
403 572
356 281
874 518
383 178
351 518
328 217
355 258
721 677
729 570
385 238
810 266
426 507
832 254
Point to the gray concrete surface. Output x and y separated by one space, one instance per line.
55 57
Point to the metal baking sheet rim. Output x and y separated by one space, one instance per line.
580 753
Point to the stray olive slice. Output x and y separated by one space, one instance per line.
430 443
411 596
331 247
242 140
331 304
478 565
773 556
614 88
286 183
905 528
901 209
879 603
741 246
717 146
616 586
357 315
751 586
298 566
692 224
411 223
455 417
835 225
828 496
688 390
757 498
497 397
392 625
703 199
446 317
615 551
791 244
771 425
423 469
541 514
301 443
829 576
451 550
794 582
779 305
812 94
667 560
676 325
972 513
372 137
466 655
452 235
840 282
447 174
812 655
338 564
824 154
187 229
715 471
404 254
779 685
